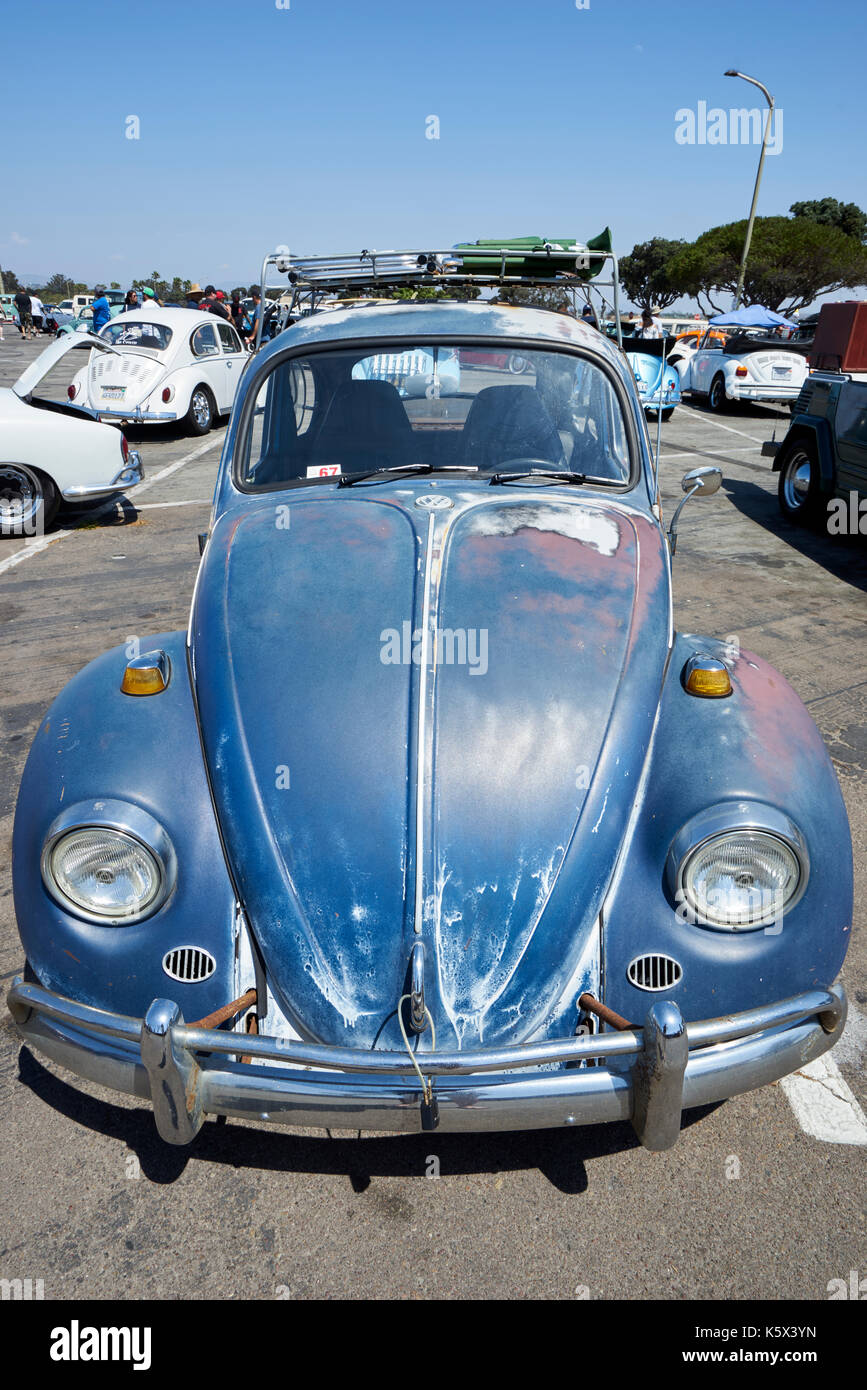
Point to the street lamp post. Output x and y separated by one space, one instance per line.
730 72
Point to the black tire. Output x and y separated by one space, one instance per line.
28 500
799 491
200 417
667 414
716 396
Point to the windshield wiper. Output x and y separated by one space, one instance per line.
558 475
347 479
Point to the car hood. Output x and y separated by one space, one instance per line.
469 789
42 365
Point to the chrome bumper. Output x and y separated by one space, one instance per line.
646 1075
131 474
782 392
135 417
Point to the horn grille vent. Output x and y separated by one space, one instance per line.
189 964
654 972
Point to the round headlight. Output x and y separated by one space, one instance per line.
114 873
104 873
742 879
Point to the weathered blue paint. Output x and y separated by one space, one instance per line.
96 744
552 782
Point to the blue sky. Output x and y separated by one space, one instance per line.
306 126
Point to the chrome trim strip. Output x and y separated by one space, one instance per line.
421 733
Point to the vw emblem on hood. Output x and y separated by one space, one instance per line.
434 502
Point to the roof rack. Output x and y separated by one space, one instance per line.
569 266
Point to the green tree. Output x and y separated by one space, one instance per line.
645 273
792 260
57 286
828 212
10 281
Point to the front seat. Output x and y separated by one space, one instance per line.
366 427
510 422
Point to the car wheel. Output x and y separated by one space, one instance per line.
28 501
200 416
799 489
716 398
667 414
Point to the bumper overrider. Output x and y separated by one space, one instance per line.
129 476
648 1075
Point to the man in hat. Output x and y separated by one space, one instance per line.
194 296
101 308
149 299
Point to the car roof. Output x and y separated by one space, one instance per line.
445 319
180 320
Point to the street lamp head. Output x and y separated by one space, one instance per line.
730 72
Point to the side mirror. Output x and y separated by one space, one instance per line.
699 482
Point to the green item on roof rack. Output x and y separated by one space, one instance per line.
560 261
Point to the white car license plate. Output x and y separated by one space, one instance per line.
782 371
113 393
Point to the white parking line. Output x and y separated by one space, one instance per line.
42 542
711 420
824 1105
689 453
189 502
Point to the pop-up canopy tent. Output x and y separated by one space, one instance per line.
754 316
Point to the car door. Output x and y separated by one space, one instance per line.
851 427
703 363
210 363
234 357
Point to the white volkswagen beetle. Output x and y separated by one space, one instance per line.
52 452
170 364
748 366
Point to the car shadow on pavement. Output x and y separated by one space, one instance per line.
843 556
560 1155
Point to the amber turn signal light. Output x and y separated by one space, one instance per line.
146 675
707 677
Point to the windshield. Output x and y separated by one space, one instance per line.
481 407
121 333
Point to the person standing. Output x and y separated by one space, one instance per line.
236 309
24 305
194 296
37 312
253 319
101 309
648 329
131 302
149 299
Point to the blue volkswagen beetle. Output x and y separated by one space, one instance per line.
431 817
658 381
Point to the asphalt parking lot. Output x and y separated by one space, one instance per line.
747 1205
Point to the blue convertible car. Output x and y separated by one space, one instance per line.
658 383
431 817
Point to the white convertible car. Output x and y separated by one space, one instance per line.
52 452
748 366
170 364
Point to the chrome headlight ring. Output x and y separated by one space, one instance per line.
128 827
754 821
